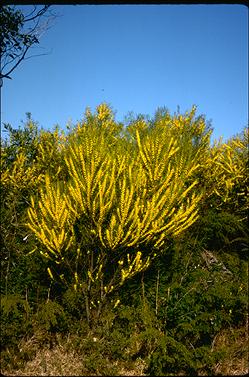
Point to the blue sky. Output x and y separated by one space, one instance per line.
136 58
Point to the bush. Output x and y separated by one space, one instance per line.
101 239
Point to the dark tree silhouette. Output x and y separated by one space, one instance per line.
19 32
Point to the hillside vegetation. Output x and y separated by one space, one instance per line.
124 248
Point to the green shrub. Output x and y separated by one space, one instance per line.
51 317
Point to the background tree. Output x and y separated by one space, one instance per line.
19 32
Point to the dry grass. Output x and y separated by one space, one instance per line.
55 362
236 343
137 369
59 362
64 360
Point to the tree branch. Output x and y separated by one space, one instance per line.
17 36
39 14
6 75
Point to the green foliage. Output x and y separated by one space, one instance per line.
15 319
221 230
190 299
12 21
23 138
51 317
172 357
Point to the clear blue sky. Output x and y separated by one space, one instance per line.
136 58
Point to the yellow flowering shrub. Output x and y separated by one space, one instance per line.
226 173
20 176
118 207
120 201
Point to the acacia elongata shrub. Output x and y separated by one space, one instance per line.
227 171
120 201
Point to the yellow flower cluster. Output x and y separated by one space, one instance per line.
134 266
52 221
103 112
128 197
226 168
21 176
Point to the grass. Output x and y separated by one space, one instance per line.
236 345
65 358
